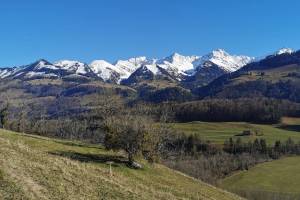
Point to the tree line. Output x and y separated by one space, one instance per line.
210 162
258 110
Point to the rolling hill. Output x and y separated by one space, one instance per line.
272 180
34 167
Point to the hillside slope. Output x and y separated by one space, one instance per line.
33 167
278 179
276 76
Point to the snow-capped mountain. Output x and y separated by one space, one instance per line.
284 51
40 68
275 53
97 69
179 64
73 66
225 61
108 72
175 65
143 73
191 68
44 69
119 71
132 64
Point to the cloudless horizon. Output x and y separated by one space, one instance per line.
118 29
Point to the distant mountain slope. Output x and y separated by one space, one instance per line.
214 65
33 167
225 61
275 76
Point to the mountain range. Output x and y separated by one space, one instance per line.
172 78
177 66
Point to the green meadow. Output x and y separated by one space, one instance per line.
218 132
279 179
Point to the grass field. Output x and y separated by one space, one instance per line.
280 178
33 167
218 132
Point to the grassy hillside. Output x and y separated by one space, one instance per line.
33 167
221 131
280 178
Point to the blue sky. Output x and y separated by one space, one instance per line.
111 29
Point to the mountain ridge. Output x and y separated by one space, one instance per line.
177 65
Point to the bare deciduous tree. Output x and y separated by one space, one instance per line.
134 135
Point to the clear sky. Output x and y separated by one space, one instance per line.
111 29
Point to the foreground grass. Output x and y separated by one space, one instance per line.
33 167
280 178
218 132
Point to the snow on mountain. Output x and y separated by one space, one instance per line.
40 64
284 51
178 64
106 70
7 71
188 65
44 69
276 53
73 66
225 61
152 68
40 74
36 69
132 64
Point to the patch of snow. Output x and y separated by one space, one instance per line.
152 68
72 65
44 64
40 74
19 74
5 72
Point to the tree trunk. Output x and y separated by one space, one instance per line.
130 158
